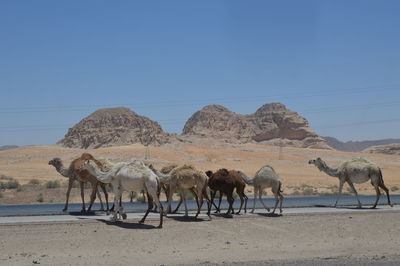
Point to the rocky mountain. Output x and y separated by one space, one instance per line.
114 127
393 148
271 124
357 146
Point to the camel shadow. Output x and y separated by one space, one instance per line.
78 213
126 225
223 215
268 214
186 219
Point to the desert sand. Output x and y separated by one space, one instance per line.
323 239
298 177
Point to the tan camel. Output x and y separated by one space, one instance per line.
357 170
73 173
264 178
187 177
135 176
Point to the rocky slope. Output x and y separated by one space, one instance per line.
114 127
270 124
384 149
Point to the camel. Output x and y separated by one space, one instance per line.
186 177
357 170
74 173
135 176
264 178
225 182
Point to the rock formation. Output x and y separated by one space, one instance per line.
114 127
270 124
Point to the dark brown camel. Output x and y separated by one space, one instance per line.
225 182
82 176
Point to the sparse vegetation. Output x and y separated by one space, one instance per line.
34 182
394 188
53 184
8 183
40 198
140 197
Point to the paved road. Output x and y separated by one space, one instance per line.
310 201
138 216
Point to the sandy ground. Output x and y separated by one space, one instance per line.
325 239
291 164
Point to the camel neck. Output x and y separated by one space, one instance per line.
328 170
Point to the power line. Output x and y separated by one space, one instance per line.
309 94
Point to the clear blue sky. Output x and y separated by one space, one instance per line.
335 62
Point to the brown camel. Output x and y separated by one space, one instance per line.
225 182
82 176
186 177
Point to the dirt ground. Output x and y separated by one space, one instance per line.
307 239
298 177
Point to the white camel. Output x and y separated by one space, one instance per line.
357 170
189 178
133 176
264 178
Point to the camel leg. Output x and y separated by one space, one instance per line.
70 183
255 199
103 187
100 199
117 195
149 207
280 205
83 197
382 185
241 201
205 195
355 192
199 200
245 203
184 201
260 198
221 194
169 199
230 201
276 202
179 205
378 195
341 183
213 193
93 195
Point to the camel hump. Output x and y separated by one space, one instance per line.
87 156
168 168
223 171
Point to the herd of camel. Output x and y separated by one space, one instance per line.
138 176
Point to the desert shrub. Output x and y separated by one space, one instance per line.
53 184
11 183
394 188
296 192
309 191
40 198
1 195
4 177
34 182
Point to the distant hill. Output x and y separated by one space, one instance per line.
385 149
357 146
8 147
271 124
114 127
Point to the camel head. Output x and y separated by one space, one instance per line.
56 162
316 162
